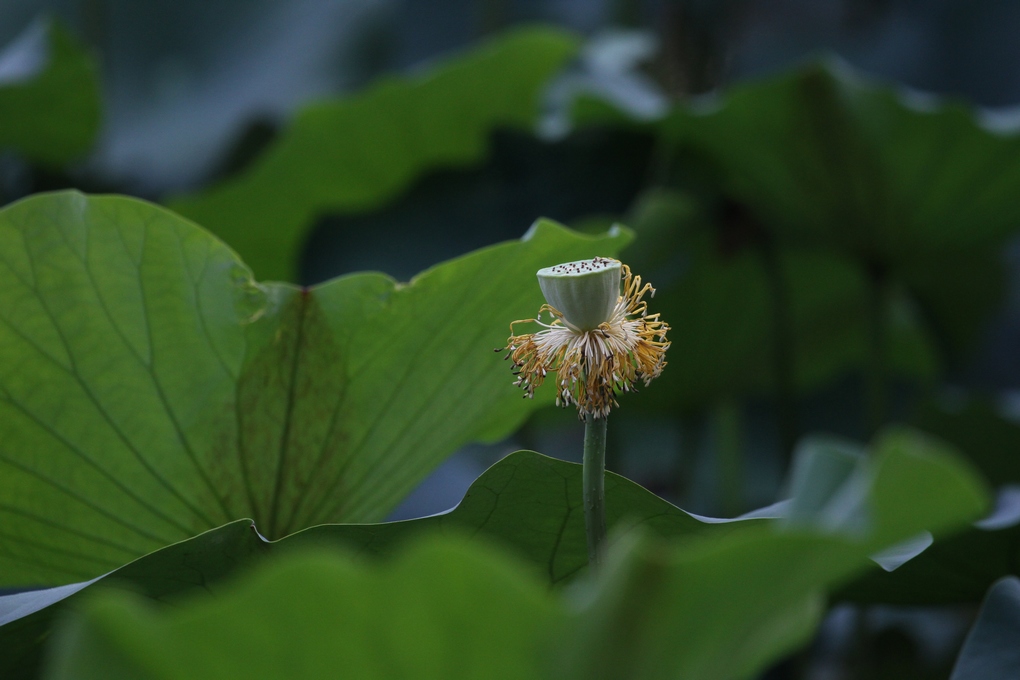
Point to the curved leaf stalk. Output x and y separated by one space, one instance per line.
782 353
593 474
690 424
875 380
727 430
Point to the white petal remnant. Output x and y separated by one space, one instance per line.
593 366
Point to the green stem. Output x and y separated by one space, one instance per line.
594 473
690 423
729 451
782 352
877 398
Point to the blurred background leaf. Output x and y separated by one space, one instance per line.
532 504
768 584
990 650
49 96
443 610
914 190
354 155
825 157
725 299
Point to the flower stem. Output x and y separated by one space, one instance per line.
594 473
877 397
727 426
783 351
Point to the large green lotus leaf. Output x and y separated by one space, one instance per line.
960 568
828 157
723 609
442 610
355 154
726 607
713 606
527 502
722 306
532 504
954 570
919 187
197 565
49 96
150 389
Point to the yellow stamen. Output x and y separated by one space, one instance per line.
593 366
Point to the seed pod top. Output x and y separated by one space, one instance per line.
600 338
585 292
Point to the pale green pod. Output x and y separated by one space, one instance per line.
585 291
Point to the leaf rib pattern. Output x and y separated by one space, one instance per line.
167 484
345 395
419 361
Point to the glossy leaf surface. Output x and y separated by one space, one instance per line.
150 389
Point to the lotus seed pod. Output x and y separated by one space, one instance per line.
585 292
